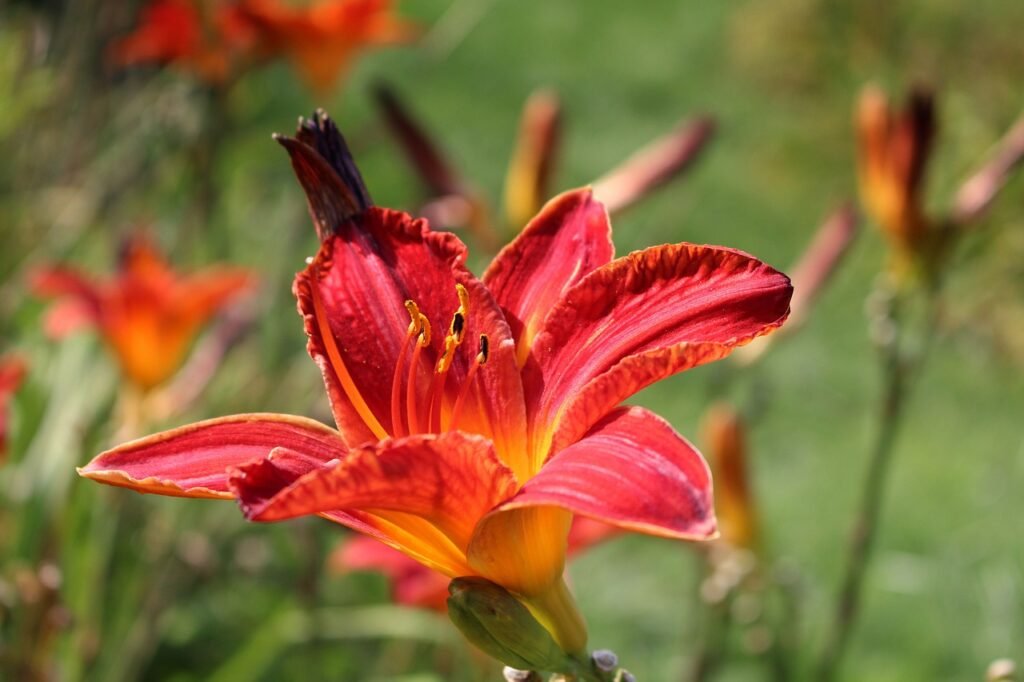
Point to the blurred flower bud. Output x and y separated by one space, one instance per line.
604 660
527 183
725 440
1001 670
654 165
500 625
893 149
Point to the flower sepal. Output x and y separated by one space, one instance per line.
494 620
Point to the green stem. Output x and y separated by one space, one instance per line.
898 371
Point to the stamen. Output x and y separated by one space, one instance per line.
396 382
338 364
485 349
458 329
437 386
481 359
410 388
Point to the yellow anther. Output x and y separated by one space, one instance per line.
445 361
485 349
424 331
463 299
415 323
458 328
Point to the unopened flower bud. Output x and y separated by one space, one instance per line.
625 676
498 623
604 660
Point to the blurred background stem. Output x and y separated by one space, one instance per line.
900 362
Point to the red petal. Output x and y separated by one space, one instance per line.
632 470
567 240
192 461
352 298
206 292
58 281
638 320
587 532
450 480
412 583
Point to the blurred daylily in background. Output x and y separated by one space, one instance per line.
12 373
413 584
470 446
455 202
216 39
322 38
204 38
894 149
148 314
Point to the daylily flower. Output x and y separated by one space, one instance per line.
204 38
147 313
214 38
456 202
476 417
413 584
322 38
12 373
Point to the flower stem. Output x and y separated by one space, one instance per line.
556 609
897 370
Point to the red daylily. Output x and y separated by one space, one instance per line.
475 417
12 373
148 314
413 584
212 37
322 38
205 38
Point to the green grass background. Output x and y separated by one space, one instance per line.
175 590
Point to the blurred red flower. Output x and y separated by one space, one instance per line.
147 313
12 373
214 39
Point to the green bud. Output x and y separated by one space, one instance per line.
498 623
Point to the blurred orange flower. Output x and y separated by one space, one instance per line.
893 150
321 39
148 314
12 373
203 38
213 39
